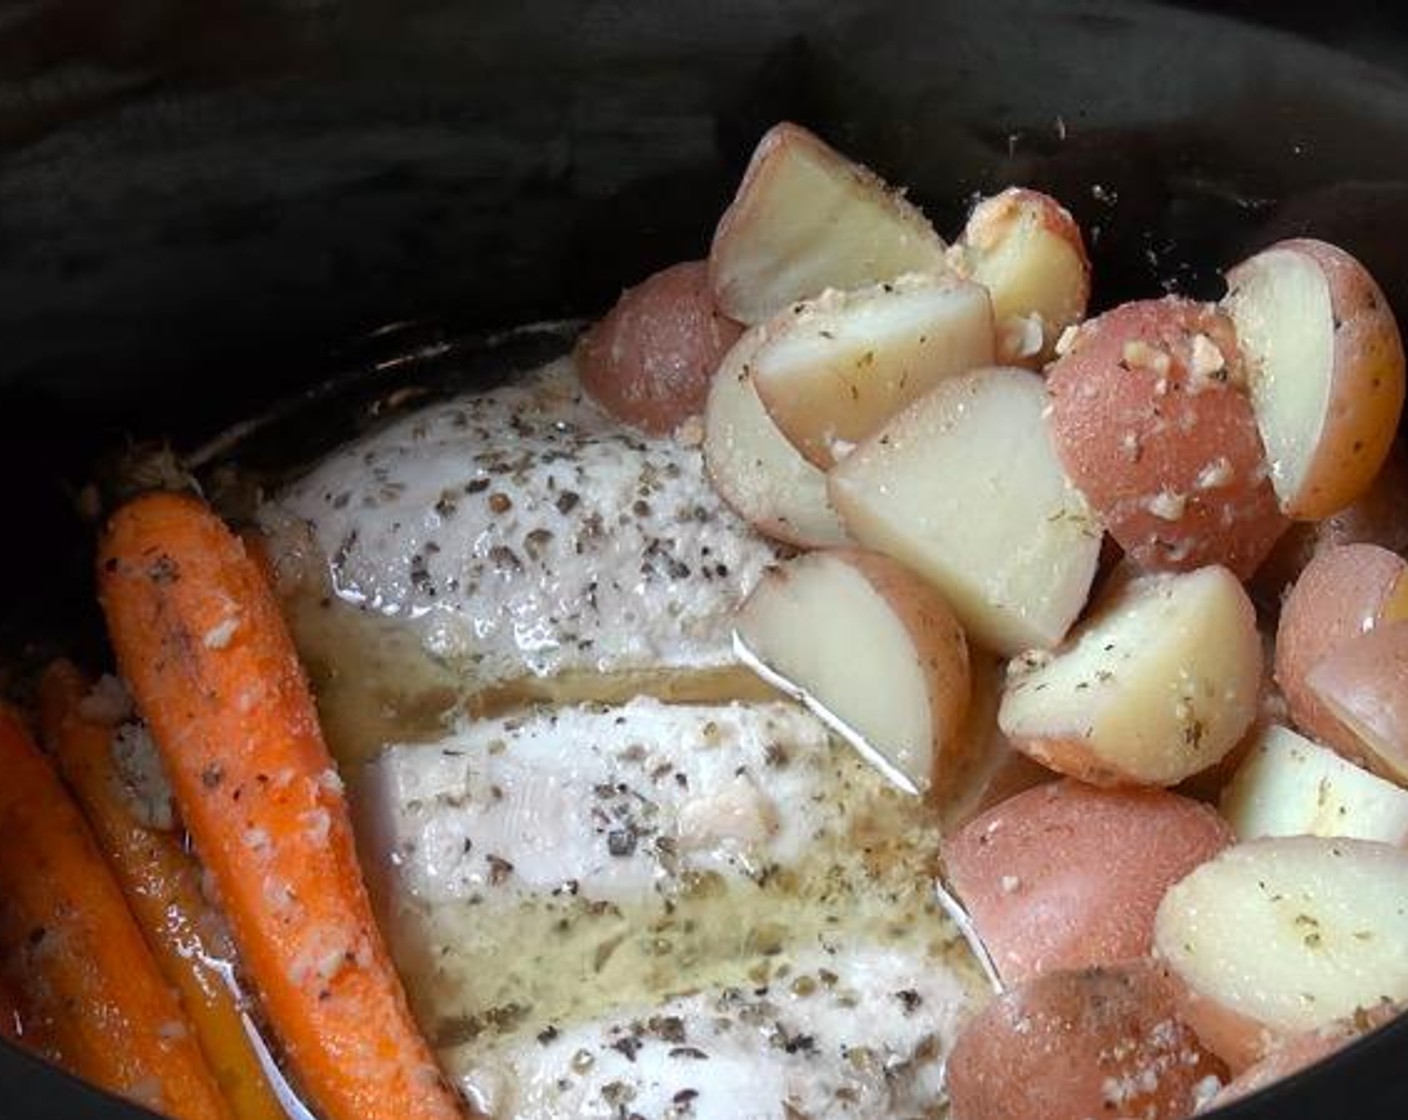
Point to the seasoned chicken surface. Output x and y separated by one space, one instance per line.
563 878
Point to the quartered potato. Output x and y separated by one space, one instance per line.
872 649
754 467
964 487
1150 419
1288 786
1364 685
650 360
1343 593
1076 1045
834 368
1069 876
1279 936
1026 249
1158 683
806 219
1326 371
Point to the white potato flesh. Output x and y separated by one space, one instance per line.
1327 371
835 368
870 648
964 487
1290 786
1026 249
754 467
1283 935
1159 683
806 219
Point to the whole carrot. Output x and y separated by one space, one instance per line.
75 951
200 640
162 883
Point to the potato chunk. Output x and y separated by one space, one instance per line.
1158 683
1149 418
1076 1045
1279 936
1289 786
1069 876
806 219
1326 366
902 701
835 368
964 487
1026 249
754 467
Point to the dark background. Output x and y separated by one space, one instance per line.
206 205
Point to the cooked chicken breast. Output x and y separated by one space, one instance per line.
523 531
560 877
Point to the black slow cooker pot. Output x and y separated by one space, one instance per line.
207 208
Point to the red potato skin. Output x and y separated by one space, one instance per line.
1299 1053
1146 445
1366 335
1068 876
1074 1045
1369 676
1339 596
650 360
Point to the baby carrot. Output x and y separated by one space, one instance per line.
162 883
200 640
77 953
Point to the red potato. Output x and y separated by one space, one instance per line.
902 703
1326 364
1068 876
1342 593
1289 786
1378 516
964 487
834 368
1076 1045
1160 681
650 360
1364 685
806 219
1150 422
1026 249
1298 1053
1275 937
754 467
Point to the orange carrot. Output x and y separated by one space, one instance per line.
77 954
162 883
200 640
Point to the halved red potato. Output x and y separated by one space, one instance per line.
1275 937
836 367
1299 1052
1326 364
1067 875
1027 250
903 701
1378 516
754 467
1150 420
650 360
1364 685
1160 681
964 487
1077 1045
991 769
806 219
1289 786
1343 592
